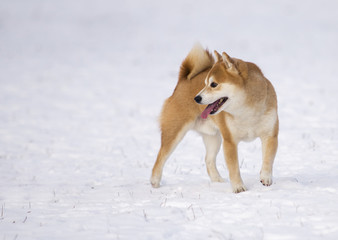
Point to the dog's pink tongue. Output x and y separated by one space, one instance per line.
207 111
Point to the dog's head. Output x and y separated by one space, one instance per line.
223 89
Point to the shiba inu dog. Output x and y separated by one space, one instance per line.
226 100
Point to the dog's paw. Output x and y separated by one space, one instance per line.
266 179
238 188
155 182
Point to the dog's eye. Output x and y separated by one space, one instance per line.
213 85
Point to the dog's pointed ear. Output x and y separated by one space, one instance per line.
218 56
229 62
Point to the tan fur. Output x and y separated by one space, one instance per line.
190 67
249 112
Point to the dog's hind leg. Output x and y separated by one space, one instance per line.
172 134
212 145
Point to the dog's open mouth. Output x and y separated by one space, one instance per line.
213 107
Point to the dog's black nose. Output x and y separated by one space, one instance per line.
198 99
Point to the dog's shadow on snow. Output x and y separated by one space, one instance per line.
279 183
252 183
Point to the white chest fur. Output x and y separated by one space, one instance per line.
205 126
249 126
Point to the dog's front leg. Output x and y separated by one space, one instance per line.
212 145
269 148
231 157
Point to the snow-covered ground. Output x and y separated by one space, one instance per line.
82 84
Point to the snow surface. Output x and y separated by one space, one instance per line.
82 85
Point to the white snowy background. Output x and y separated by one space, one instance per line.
81 87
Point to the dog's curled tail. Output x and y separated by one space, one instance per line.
198 60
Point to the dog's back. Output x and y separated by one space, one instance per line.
180 107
